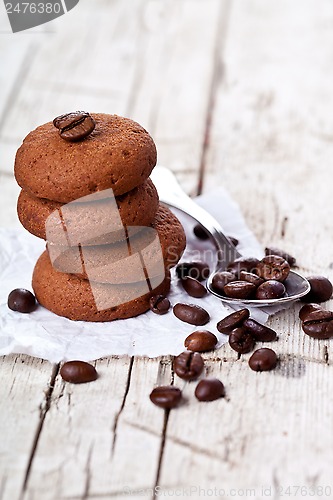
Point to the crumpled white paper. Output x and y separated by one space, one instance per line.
45 335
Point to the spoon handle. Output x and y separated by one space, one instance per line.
172 194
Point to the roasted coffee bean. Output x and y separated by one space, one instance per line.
241 340
188 365
286 256
200 341
166 396
193 287
200 232
239 289
198 270
227 324
270 289
78 372
191 313
251 278
321 289
74 126
273 267
21 300
159 304
261 333
307 309
263 360
319 324
248 264
209 389
220 279
233 240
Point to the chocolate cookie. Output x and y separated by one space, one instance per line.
150 251
74 298
118 154
81 221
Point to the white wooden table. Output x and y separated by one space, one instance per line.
237 93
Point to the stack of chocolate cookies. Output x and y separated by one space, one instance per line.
86 191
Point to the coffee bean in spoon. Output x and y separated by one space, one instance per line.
261 333
248 264
239 290
251 278
78 372
220 279
21 300
263 360
193 287
270 289
200 341
197 270
191 313
319 324
227 324
159 304
209 389
233 240
273 267
188 365
307 309
241 340
200 232
74 126
320 291
281 253
166 396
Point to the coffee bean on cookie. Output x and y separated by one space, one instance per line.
74 126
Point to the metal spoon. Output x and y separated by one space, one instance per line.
172 194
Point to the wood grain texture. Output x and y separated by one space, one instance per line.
25 389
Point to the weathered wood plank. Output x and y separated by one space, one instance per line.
26 385
269 429
268 432
106 435
174 78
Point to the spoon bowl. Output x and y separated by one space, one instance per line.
171 194
296 287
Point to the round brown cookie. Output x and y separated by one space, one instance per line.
153 248
118 154
74 298
81 220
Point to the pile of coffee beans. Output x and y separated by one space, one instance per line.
189 366
251 278
244 332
